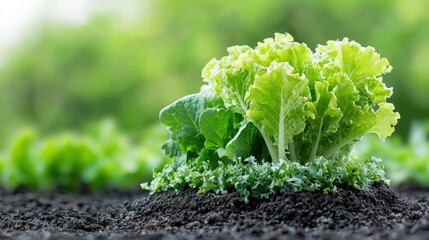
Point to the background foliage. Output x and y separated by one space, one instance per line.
68 77
404 161
102 158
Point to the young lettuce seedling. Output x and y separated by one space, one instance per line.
279 115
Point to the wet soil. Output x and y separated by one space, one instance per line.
380 213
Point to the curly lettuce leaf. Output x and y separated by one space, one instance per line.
355 74
385 120
362 65
323 121
231 76
277 104
230 79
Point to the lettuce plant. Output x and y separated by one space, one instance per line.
279 115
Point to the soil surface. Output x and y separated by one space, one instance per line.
380 213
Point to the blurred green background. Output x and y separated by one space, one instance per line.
126 62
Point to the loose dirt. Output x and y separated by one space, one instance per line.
380 213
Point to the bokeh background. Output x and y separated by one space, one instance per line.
69 67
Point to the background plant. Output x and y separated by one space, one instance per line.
101 158
404 161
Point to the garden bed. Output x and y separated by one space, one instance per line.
380 213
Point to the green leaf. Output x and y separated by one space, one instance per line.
208 156
217 126
242 144
349 57
181 119
324 120
230 78
171 148
354 72
362 65
277 105
385 120
21 168
283 49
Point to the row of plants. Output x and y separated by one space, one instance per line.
101 158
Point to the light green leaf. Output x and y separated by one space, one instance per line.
351 58
232 75
230 79
281 48
324 120
385 120
277 105
362 65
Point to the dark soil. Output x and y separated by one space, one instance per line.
380 213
